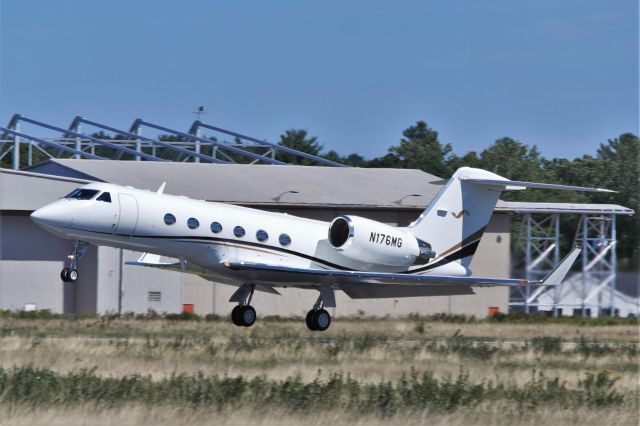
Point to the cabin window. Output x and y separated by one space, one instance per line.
285 240
238 231
216 227
169 219
82 194
262 235
193 223
105 196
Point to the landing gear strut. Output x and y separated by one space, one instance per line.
318 319
70 274
243 315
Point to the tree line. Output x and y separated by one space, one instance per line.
616 166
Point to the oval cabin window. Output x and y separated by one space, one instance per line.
238 231
216 227
169 219
285 240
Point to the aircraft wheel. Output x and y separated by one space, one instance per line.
247 316
322 320
73 275
310 321
235 315
64 275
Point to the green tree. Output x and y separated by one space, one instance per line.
299 140
420 149
353 160
621 172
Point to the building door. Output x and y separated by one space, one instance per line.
128 214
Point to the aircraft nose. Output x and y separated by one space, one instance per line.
50 216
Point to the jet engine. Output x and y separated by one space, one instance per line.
369 241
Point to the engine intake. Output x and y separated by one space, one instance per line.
369 241
340 231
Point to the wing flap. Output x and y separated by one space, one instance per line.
278 274
378 291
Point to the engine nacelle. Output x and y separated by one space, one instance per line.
369 241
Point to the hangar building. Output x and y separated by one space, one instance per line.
31 258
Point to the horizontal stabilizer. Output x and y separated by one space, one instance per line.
558 274
505 185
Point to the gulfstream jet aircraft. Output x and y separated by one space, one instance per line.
258 250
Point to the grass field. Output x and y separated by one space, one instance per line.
362 371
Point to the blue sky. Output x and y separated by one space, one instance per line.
561 74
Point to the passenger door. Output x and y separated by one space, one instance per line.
128 218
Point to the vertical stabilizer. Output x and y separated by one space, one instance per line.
455 220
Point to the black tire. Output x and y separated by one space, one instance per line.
73 275
321 320
235 315
310 320
248 316
64 275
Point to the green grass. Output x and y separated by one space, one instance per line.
42 386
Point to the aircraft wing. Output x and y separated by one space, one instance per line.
359 284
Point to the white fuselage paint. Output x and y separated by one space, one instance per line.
134 220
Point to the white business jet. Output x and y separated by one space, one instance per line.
259 250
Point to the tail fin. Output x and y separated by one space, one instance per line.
456 218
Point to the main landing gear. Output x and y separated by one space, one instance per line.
318 319
70 274
243 315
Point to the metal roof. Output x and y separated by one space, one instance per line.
261 184
288 185
24 191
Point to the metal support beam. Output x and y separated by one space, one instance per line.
120 149
223 146
197 124
134 134
540 243
51 145
585 293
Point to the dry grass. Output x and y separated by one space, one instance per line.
368 350
142 415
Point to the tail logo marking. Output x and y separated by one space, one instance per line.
460 213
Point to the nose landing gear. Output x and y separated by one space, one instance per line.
70 274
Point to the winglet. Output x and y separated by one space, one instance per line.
556 276
161 189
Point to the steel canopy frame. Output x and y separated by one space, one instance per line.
16 149
198 124
134 136
17 118
139 122
74 143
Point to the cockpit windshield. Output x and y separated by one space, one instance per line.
82 194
